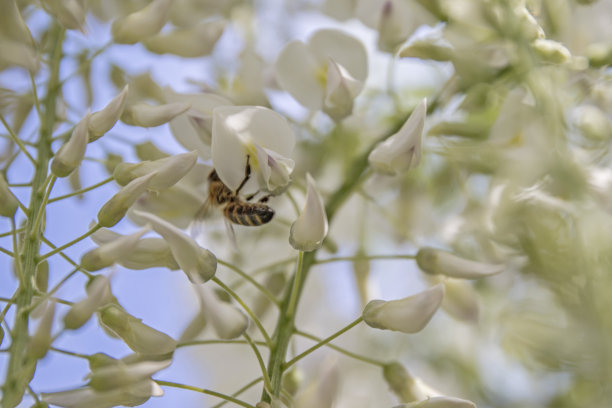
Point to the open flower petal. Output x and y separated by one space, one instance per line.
299 73
408 315
310 229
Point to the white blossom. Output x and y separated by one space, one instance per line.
227 320
98 294
150 116
103 120
310 229
70 155
8 202
191 42
114 209
141 24
107 254
435 261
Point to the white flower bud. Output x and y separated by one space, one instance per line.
98 294
227 320
147 253
551 51
408 315
137 335
199 264
14 53
406 386
401 151
85 397
310 229
114 210
435 261
340 90
114 374
102 121
440 402
70 13
107 254
593 123
191 42
322 392
141 24
150 116
169 170
70 155
41 340
8 202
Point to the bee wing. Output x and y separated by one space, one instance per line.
231 234
196 227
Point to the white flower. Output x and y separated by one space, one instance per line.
141 24
191 42
107 254
310 229
137 335
435 261
326 73
70 13
401 151
102 121
8 202
150 116
406 386
259 133
408 315
227 320
323 390
41 339
114 209
199 264
70 155
108 373
86 397
98 294
439 402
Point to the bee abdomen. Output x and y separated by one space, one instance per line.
248 214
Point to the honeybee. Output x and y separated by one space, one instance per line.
235 209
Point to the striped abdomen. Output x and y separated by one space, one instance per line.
248 214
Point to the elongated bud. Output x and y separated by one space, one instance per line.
98 294
340 90
141 24
199 264
460 300
70 155
114 374
435 261
41 278
114 210
551 51
103 120
408 315
322 392
169 170
150 116
401 151
227 320
85 397
107 254
137 335
70 13
8 202
41 340
192 42
310 229
439 402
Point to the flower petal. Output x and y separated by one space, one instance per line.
310 229
435 261
343 48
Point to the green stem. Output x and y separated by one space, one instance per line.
206 342
240 391
247 309
7 252
363 258
52 291
49 187
262 365
69 353
71 243
204 391
84 190
21 365
17 140
67 258
322 342
343 350
296 283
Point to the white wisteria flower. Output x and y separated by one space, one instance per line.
141 24
98 294
107 254
258 133
227 320
401 151
325 73
439 402
114 209
8 201
322 392
190 42
85 397
407 315
310 229
103 120
150 116
199 264
70 155
437 262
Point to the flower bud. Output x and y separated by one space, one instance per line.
41 340
141 24
199 264
102 121
14 53
114 210
98 294
70 155
401 151
435 261
8 202
70 13
594 123
340 90
310 229
551 51
227 320
169 170
150 116
107 254
405 386
599 54
408 315
322 392
440 402
460 300
113 374
41 277
137 335
85 397
192 42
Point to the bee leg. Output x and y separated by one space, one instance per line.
250 197
247 174
265 198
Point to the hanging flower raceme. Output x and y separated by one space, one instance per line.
436 261
310 229
401 151
258 133
408 315
325 73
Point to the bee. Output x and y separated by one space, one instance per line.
235 209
